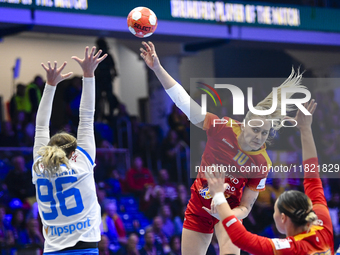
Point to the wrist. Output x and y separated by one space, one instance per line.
219 198
158 69
51 84
305 129
88 74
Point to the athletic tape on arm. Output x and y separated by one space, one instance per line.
184 102
219 198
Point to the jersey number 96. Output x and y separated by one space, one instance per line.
61 197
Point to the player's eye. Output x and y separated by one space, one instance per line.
264 133
255 130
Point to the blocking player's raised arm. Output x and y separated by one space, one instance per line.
42 131
85 136
176 92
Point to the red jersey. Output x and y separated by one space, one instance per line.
137 180
318 241
222 148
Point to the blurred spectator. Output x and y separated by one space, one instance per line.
33 237
265 203
138 177
160 236
6 234
19 180
334 205
179 123
72 97
294 184
105 161
131 247
267 198
175 245
19 128
150 246
18 103
33 94
103 246
271 232
113 225
327 190
150 142
180 203
170 191
168 225
153 200
29 132
5 197
122 112
105 75
18 227
8 136
101 194
104 132
136 133
113 184
39 81
170 148
178 221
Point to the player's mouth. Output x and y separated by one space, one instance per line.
256 143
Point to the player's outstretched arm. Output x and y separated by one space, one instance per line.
85 136
243 239
176 92
304 124
148 53
42 132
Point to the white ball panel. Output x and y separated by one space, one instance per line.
138 9
152 19
147 35
136 15
132 30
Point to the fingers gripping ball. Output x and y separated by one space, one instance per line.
142 22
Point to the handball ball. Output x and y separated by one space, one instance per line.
142 22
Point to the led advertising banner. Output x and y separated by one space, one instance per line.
218 12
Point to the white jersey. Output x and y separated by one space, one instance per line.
68 204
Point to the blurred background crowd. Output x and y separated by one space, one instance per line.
143 204
142 173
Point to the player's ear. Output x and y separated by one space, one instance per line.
284 218
71 154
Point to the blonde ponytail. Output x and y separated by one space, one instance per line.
55 154
51 159
293 81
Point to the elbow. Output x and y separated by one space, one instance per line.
246 210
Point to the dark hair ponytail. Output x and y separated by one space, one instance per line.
297 206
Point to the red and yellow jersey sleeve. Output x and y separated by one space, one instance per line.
213 125
315 242
314 190
318 240
256 182
245 240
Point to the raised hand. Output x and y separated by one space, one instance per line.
302 120
149 55
215 181
212 211
53 75
90 62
